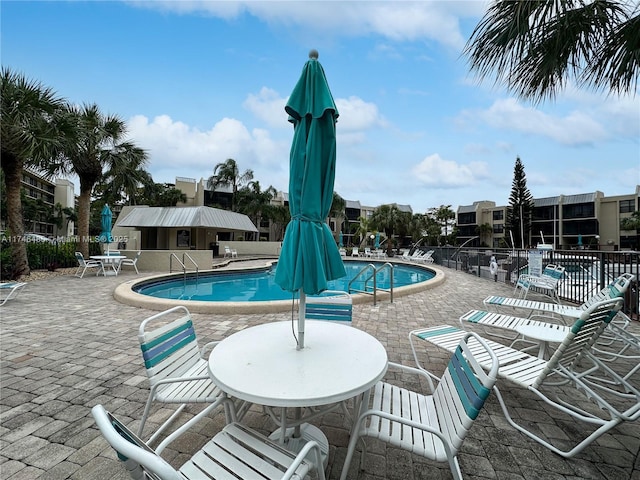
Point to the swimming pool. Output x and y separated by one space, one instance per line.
128 292
259 285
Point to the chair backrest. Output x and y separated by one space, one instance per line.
583 334
463 389
171 348
135 259
615 289
227 249
333 306
80 258
140 461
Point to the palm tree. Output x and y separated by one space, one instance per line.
443 214
30 136
228 174
338 208
123 179
386 218
253 202
97 143
280 217
484 231
535 47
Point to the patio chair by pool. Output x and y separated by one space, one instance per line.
617 288
9 290
88 264
546 284
333 306
176 365
235 452
566 381
436 425
230 252
130 261
354 252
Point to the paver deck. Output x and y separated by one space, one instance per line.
67 345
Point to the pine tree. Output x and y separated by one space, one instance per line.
520 209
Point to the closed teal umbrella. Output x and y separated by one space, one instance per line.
105 223
309 257
341 241
376 245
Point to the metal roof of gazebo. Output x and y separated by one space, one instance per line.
184 217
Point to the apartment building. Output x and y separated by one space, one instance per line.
48 193
588 220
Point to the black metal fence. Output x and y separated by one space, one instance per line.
586 271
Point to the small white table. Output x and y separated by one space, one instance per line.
262 365
112 261
544 334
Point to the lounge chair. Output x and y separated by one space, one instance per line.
433 426
615 289
130 261
426 257
546 284
176 366
9 290
235 452
572 367
88 264
354 252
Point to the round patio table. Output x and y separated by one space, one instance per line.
543 334
262 365
112 261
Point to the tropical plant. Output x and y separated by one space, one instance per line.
254 202
520 209
484 230
534 48
386 218
443 215
62 216
632 222
228 174
96 145
338 209
31 136
280 217
121 182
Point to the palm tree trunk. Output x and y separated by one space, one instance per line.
13 180
84 204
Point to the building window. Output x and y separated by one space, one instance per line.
467 218
498 215
498 228
579 210
627 206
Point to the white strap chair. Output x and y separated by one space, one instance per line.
235 452
436 425
87 264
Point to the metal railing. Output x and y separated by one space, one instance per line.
587 271
373 278
182 264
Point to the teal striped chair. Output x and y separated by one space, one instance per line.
175 364
433 426
333 306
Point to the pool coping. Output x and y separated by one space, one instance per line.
124 293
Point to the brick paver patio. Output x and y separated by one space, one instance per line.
67 345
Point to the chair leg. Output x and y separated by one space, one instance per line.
350 451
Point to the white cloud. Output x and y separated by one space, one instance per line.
356 114
575 128
268 106
434 171
172 143
436 21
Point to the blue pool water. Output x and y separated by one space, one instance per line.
259 285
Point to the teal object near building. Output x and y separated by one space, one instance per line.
309 257
106 218
376 245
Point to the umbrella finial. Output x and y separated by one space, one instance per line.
313 53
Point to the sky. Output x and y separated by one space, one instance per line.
198 82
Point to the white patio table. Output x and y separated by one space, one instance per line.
111 261
262 365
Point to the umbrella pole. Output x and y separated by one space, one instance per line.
301 311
